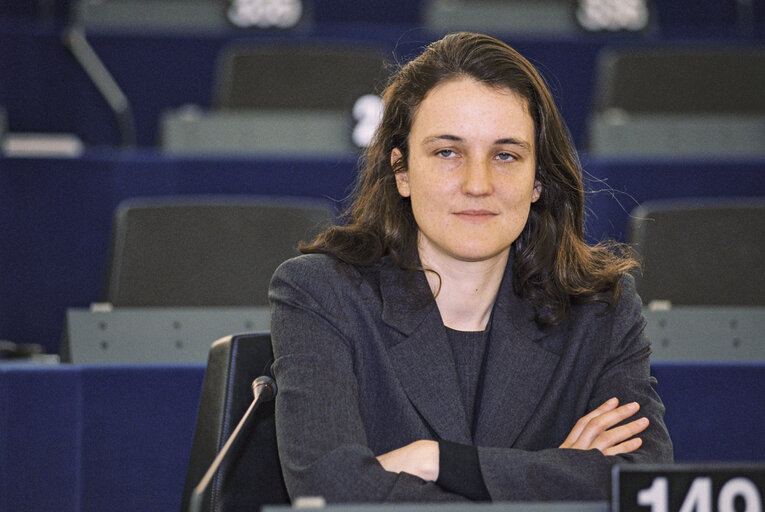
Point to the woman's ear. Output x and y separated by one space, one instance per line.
537 192
402 177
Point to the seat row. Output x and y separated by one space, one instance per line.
57 213
621 92
676 101
702 273
320 99
210 251
486 15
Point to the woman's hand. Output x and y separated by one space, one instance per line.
419 458
594 430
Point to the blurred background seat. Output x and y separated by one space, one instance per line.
680 102
502 16
205 251
551 18
151 15
300 76
701 251
289 99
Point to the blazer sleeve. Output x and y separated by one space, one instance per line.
321 437
567 474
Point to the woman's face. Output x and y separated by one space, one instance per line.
470 171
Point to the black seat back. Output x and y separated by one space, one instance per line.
206 250
251 477
701 252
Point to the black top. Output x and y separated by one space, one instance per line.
459 470
468 348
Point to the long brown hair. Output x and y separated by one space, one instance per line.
553 265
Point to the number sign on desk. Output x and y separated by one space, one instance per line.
688 488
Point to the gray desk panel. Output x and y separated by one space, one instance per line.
144 335
192 131
155 335
707 333
618 134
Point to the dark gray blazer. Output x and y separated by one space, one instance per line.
363 366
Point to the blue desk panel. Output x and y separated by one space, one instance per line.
118 438
713 410
78 438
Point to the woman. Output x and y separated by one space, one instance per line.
456 338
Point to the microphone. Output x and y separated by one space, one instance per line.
265 386
263 390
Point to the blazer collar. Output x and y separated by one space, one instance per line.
423 358
516 370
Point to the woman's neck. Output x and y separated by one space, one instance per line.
466 291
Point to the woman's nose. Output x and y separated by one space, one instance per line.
477 180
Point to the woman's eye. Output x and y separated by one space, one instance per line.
505 156
446 153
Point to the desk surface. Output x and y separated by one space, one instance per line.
593 506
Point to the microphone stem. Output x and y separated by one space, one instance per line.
75 40
195 502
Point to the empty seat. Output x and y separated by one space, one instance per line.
538 17
204 251
304 77
285 99
251 475
682 101
701 252
151 15
502 16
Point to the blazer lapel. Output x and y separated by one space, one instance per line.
423 359
517 370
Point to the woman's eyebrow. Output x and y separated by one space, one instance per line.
515 142
437 138
499 142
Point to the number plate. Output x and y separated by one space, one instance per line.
688 488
